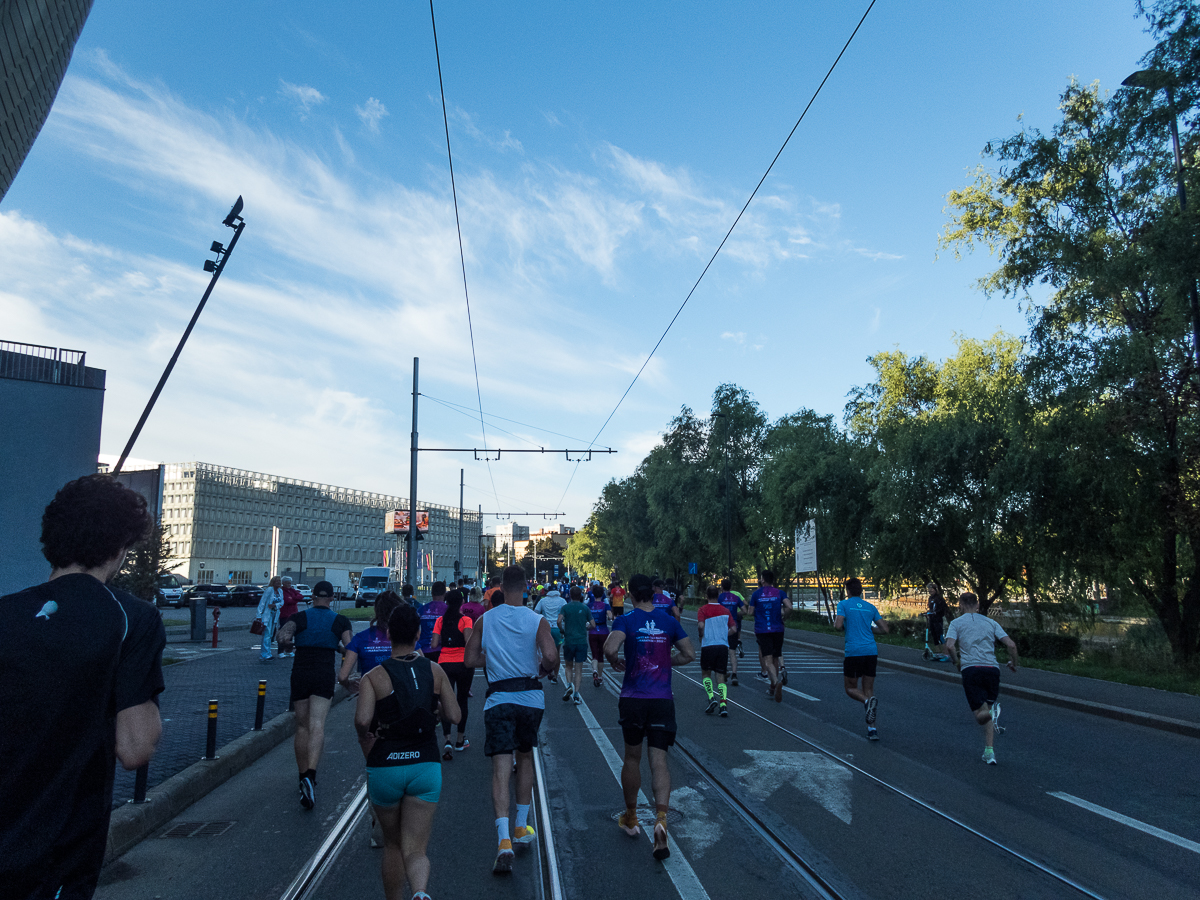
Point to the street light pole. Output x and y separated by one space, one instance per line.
412 486
301 552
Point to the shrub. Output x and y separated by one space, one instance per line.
1045 645
806 617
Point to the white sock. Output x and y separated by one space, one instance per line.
522 815
502 829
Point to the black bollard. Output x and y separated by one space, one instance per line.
210 750
139 784
262 702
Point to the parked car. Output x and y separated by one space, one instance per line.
305 592
245 594
214 594
168 593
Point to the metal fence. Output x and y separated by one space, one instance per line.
50 365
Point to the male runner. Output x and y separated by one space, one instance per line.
430 613
976 660
654 643
318 634
665 600
856 616
597 636
736 604
508 640
574 622
716 628
768 604
80 674
549 606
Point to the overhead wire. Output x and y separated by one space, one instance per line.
505 419
461 254
746 206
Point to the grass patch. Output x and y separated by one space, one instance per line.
358 614
169 660
169 622
1180 682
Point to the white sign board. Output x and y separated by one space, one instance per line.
806 547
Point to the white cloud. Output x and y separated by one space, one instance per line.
501 144
302 95
738 337
371 113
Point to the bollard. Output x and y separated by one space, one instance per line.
139 784
216 617
262 702
210 750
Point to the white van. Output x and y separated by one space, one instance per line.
371 583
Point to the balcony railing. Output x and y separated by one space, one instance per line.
49 365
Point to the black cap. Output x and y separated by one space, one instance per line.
322 589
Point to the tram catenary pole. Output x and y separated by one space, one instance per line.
411 575
458 563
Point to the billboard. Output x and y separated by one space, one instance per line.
397 521
806 547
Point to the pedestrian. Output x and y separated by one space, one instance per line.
292 599
768 604
316 634
549 606
938 612
450 633
654 642
858 618
616 598
574 622
736 604
430 612
601 615
665 600
80 674
269 605
716 627
508 641
971 643
492 590
406 594
399 699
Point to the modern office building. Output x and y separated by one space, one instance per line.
222 522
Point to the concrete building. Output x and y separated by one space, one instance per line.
222 521
557 535
50 410
37 38
508 533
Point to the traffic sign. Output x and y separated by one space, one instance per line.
693 568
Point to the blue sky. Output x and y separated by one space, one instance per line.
601 152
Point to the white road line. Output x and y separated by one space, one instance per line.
799 694
677 866
1132 823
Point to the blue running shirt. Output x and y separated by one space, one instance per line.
859 614
663 601
767 604
599 611
372 647
649 637
734 603
430 613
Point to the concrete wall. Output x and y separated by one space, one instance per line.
49 435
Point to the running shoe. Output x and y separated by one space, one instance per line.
996 726
778 691
733 681
421 895
552 678
595 679
629 824
448 752
568 692
724 711
712 707
989 756
872 704
465 745
872 734
524 835
763 676
504 859
308 793
741 652
783 674
661 849
578 700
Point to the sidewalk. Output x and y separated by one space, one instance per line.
1144 706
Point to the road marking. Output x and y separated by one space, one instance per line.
682 875
812 774
1132 823
805 696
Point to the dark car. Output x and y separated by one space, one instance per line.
245 594
214 594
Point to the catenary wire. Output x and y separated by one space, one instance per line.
503 419
461 255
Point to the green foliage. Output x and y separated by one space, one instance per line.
1045 645
143 564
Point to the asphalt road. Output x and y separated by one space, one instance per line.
916 813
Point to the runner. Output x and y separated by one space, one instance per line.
507 640
857 617
575 621
616 598
400 699
665 600
596 637
318 633
549 606
768 604
977 662
493 588
430 612
654 643
450 633
736 604
716 628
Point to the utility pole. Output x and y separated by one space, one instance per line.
458 565
412 486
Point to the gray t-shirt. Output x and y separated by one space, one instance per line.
976 636
550 606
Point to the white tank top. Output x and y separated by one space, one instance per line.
510 649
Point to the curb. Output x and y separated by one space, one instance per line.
132 823
1133 716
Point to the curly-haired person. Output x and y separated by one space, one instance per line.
80 674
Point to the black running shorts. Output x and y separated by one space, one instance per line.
313 683
770 643
981 684
510 727
649 720
715 659
859 666
737 637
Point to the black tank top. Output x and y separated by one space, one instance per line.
449 639
407 724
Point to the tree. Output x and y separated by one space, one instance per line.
1088 218
144 563
585 552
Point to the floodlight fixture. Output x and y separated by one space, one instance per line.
234 216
